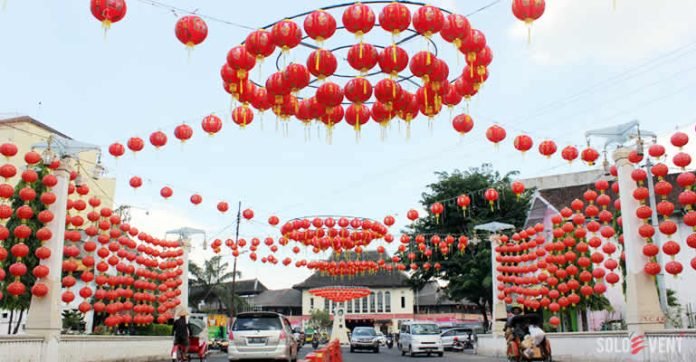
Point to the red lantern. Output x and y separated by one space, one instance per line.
320 25
135 182
329 94
357 115
322 63
517 188
569 153
191 30
358 90
248 214
297 76
108 11
428 20
241 60
211 124
589 155
158 139
495 134
362 57
528 10
196 199
679 139
387 91
117 150
437 209
135 144
243 116
395 18
223 206
463 124
547 148
8 150
286 34
358 19
455 29
523 143
183 132
473 44
491 196
393 59
259 44
412 215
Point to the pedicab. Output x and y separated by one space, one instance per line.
523 345
198 341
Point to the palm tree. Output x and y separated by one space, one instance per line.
209 282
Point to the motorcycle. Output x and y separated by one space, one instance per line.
390 342
315 342
457 345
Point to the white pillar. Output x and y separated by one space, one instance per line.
184 297
642 304
44 316
499 311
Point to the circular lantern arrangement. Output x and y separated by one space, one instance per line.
340 294
292 91
336 233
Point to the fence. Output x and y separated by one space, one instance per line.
330 353
20 348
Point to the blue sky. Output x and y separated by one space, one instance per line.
587 66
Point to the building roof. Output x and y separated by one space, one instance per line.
379 279
26 119
243 287
433 295
291 298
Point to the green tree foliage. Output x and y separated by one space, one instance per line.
320 319
468 273
21 303
209 284
73 321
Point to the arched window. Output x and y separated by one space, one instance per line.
380 302
387 302
372 302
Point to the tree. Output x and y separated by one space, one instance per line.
320 319
73 320
468 273
209 281
21 302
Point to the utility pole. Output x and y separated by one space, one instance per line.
233 312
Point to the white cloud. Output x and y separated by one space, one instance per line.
582 31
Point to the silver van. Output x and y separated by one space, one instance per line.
420 337
261 335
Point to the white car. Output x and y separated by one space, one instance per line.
382 339
420 337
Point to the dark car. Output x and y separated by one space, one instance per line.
364 338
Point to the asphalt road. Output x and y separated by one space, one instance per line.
383 355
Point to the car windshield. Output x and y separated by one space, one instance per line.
425 329
257 323
364 333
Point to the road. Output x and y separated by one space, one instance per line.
383 355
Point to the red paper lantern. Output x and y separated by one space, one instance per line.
412 215
428 20
589 156
286 34
259 44
455 29
547 148
191 30
166 192
528 10
135 144
395 18
117 150
158 139
135 182
358 90
322 63
196 199
297 76
392 60
248 214
362 57
320 25
491 196
463 124
108 11
183 132
569 153
223 206
8 150
523 143
211 124
358 19
679 139
517 188
243 116
39 290
495 134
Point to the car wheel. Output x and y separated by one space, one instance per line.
410 351
376 350
440 354
352 349
403 353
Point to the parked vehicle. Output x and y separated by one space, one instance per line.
420 337
465 336
261 335
364 338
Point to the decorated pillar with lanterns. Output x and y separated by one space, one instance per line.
642 304
44 316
